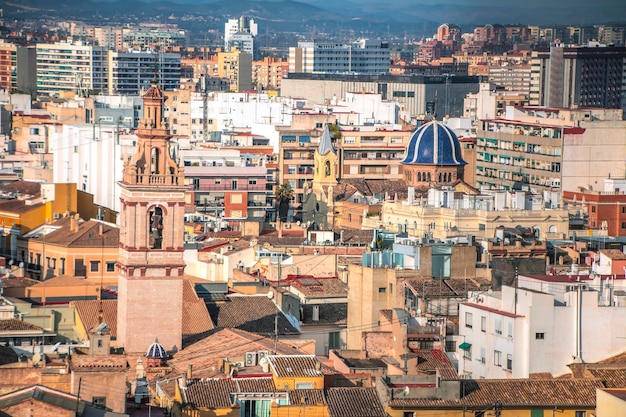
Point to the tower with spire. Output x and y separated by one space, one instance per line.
325 166
150 261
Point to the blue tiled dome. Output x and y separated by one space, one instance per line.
433 144
156 350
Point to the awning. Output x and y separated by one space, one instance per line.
465 346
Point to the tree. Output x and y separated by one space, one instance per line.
283 194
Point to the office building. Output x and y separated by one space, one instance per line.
579 76
130 73
361 57
240 34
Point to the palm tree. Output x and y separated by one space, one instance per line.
283 194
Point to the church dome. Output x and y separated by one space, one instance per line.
156 351
433 144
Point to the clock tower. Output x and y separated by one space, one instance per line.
150 261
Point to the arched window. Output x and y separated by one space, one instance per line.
327 169
419 177
156 228
440 180
429 180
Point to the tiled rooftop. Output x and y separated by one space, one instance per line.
435 359
317 287
196 318
429 287
295 366
211 393
307 397
254 313
86 235
9 325
88 312
264 384
354 402
516 392
205 351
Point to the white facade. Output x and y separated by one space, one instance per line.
520 332
361 57
70 67
234 28
90 156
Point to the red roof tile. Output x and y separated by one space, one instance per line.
354 402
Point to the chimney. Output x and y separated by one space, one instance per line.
101 229
73 223
189 371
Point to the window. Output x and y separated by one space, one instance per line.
251 182
498 326
593 209
94 266
510 330
99 402
334 340
99 343
382 290
468 320
110 266
483 355
509 362
450 346
467 354
623 225
497 358
304 385
540 336
581 414
483 324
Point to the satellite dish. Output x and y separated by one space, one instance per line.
270 295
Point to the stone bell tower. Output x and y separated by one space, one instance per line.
150 262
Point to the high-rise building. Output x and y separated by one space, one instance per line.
237 67
240 34
8 65
67 66
579 76
151 265
362 57
131 73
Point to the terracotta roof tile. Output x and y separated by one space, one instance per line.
447 287
515 393
18 282
22 187
205 351
611 377
196 318
354 402
433 359
264 384
312 286
87 234
254 313
211 393
88 312
9 325
295 366
307 397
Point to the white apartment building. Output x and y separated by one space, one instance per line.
520 331
67 66
240 33
92 156
361 57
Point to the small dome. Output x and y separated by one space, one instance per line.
153 92
433 144
156 350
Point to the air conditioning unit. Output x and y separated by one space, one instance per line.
262 354
250 359
56 216
287 225
301 144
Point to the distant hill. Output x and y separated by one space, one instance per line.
325 18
